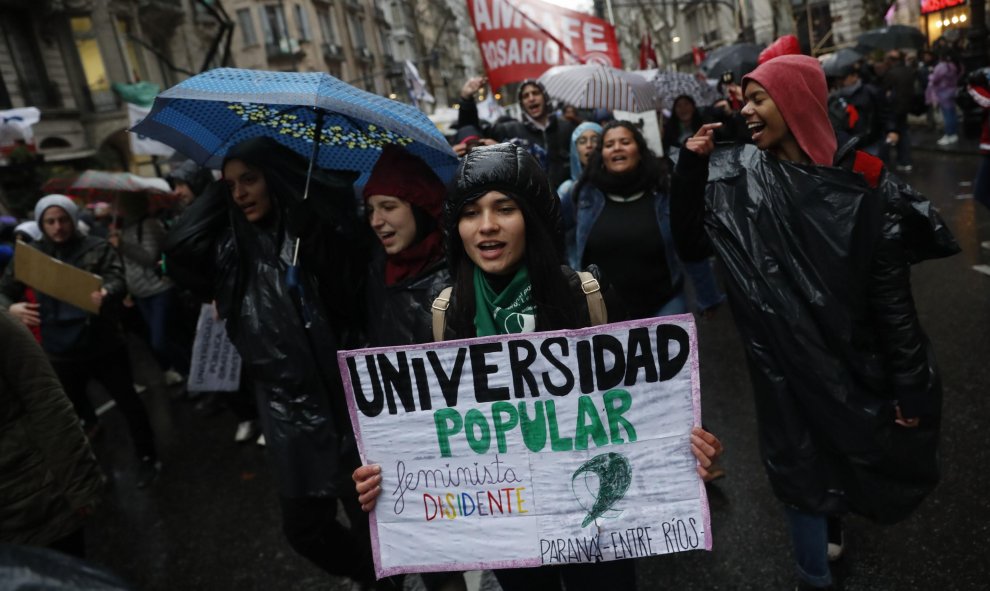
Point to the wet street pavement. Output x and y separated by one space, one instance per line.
211 521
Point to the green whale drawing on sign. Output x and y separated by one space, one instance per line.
614 476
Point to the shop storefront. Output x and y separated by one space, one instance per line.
949 18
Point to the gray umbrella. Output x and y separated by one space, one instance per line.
892 37
739 58
841 62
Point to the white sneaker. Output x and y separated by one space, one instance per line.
173 377
985 269
261 440
836 539
245 430
985 245
945 140
139 388
904 168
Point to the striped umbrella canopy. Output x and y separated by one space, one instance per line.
670 85
99 185
594 86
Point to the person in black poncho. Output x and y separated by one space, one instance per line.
817 244
242 233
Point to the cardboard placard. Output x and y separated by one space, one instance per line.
54 278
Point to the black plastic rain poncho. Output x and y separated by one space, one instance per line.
289 353
818 273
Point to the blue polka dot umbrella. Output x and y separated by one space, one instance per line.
207 114
332 123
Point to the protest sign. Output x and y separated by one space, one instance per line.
532 449
648 123
215 364
521 39
54 278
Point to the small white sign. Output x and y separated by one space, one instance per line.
216 365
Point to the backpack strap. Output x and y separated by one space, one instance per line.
593 293
439 310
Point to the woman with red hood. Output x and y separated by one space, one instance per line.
817 243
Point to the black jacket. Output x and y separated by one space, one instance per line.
901 84
865 114
818 276
400 314
288 345
50 479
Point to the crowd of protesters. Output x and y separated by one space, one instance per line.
534 200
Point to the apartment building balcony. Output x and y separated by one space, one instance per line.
364 54
161 14
284 49
333 52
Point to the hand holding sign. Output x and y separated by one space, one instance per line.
707 448
27 313
368 483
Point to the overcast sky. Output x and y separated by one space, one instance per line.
579 5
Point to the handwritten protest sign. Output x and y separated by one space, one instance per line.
215 364
535 449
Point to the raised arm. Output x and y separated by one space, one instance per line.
687 199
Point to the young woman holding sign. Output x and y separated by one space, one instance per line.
818 244
505 255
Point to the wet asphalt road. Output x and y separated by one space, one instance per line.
211 521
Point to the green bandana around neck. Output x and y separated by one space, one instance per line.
509 312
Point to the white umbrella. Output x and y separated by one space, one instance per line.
15 124
593 86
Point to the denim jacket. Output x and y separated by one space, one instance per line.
580 218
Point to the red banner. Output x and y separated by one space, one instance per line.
521 39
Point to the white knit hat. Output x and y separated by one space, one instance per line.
62 201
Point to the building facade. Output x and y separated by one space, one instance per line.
64 56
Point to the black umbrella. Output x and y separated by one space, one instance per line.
739 58
839 64
893 37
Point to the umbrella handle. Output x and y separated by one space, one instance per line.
317 138
292 280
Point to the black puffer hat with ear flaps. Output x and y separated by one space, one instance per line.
508 169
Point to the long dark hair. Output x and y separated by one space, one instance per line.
650 169
336 249
551 293
512 171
